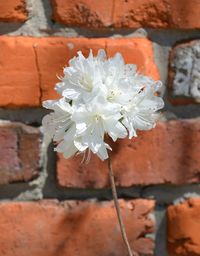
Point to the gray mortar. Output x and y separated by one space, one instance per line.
167 194
161 235
31 116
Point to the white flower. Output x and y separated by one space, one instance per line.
57 123
100 96
93 121
139 113
83 78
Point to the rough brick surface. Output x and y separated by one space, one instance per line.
129 14
74 228
184 73
19 83
183 228
83 13
140 13
42 60
13 11
167 154
157 14
19 151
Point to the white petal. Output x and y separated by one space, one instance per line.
49 104
79 145
71 93
101 54
102 152
67 148
115 129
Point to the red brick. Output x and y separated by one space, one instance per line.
20 150
184 14
183 228
19 83
130 14
83 13
167 154
74 228
140 13
13 11
41 59
157 14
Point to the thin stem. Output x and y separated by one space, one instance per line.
114 193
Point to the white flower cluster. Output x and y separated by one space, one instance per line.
100 96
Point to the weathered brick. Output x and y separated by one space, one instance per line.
74 228
19 151
157 14
41 59
83 13
167 154
128 14
19 83
183 228
184 73
13 11
140 13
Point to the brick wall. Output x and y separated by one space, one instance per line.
52 206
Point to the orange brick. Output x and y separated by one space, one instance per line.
19 83
83 13
74 228
54 53
13 11
42 60
182 14
183 228
167 154
140 13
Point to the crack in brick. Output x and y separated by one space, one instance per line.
38 71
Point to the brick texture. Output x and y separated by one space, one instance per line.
13 11
183 228
184 14
19 83
41 59
83 13
128 14
19 151
184 73
74 228
140 13
167 154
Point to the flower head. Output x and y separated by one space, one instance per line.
100 96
